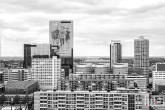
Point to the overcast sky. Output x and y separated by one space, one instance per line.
96 23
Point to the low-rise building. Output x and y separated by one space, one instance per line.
96 76
21 87
139 79
120 68
158 78
84 68
93 84
17 75
102 69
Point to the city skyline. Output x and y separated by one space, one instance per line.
96 23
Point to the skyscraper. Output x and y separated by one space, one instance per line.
141 55
61 35
33 50
115 52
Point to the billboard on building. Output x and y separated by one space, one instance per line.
61 35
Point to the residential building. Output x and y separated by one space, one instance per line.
94 84
158 78
157 101
115 52
96 76
120 68
46 71
140 80
124 99
22 98
141 55
17 74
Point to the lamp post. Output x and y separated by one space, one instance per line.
20 105
11 102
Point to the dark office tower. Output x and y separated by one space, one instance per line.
35 51
141 55
27 56
115 52
61 35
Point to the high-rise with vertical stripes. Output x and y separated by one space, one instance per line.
141 55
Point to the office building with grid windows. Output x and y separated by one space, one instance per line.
46 71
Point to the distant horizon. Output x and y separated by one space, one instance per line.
88 56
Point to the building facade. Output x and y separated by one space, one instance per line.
102 69
115 52
17 75
84 68
94 84
158 78
21 87
33 50
141 55
46 71
120 68
96 76
160 67
95 100
61 35
140 81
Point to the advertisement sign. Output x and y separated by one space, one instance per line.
61 34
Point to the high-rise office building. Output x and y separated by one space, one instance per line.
61 35
141 55
46 71
115 52
35 50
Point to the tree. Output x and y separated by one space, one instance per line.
16 99
25 99
2 99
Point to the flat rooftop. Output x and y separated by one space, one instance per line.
19 84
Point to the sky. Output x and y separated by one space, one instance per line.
96 23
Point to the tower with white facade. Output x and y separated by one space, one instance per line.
46 71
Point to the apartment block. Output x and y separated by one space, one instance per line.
94 84
17 74
95 100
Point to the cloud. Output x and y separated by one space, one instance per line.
96 23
